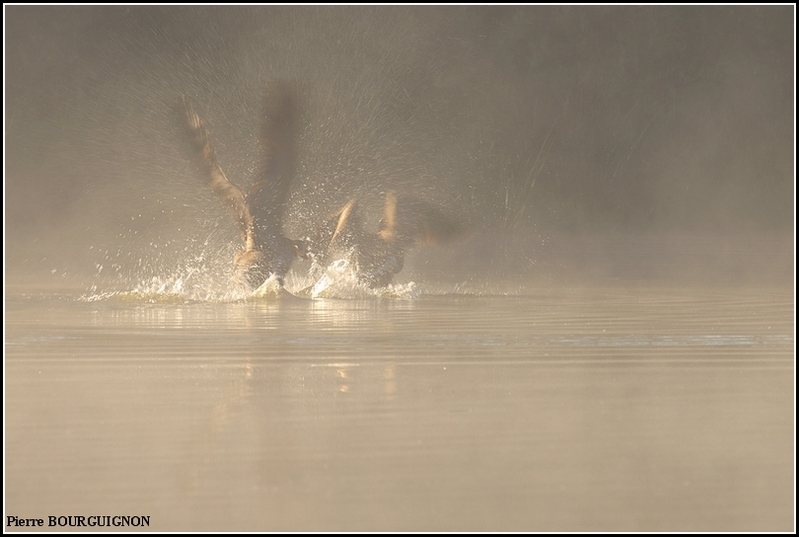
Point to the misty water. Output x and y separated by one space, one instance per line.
608 346
565 409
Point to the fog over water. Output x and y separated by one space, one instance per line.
609 347
601 142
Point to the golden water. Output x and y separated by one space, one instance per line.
566 409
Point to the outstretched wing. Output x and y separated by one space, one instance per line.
348 224
408 220
205 158
269 193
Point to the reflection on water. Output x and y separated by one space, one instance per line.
632 409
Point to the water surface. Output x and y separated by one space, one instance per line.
566 409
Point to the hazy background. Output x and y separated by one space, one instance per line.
611 142
613 164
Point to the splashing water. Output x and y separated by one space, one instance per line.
271 288
201 280
340 280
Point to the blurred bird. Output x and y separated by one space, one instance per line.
259 214
378 256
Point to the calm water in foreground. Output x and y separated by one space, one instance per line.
568 409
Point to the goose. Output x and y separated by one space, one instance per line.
267 252
378 256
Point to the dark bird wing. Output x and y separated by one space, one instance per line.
204 157
259 215
408 221
269 193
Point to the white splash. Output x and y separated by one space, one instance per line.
207 279
340 280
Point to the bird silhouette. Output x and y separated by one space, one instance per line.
377 256
259 214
